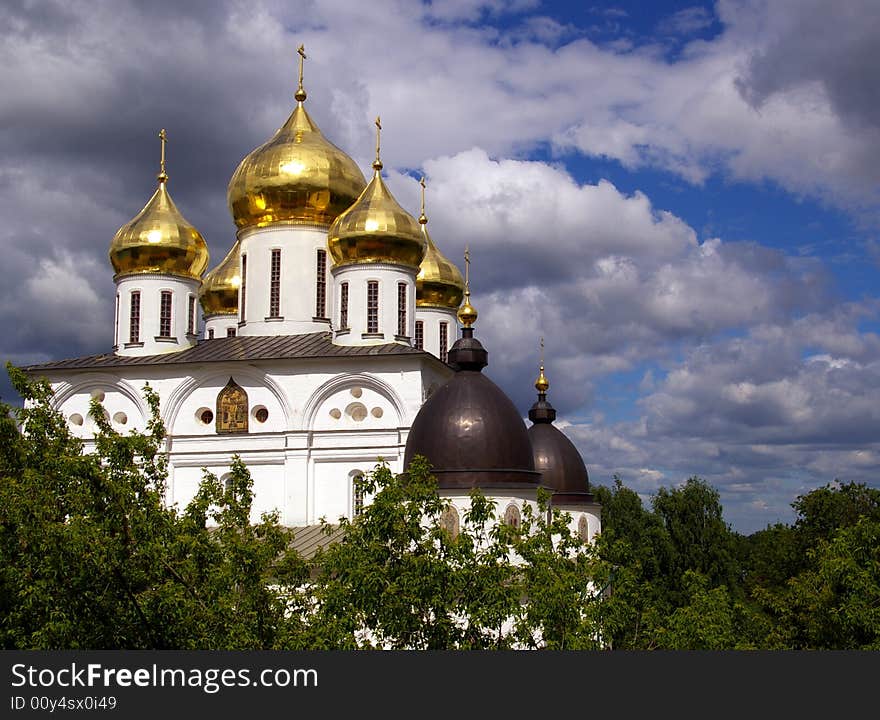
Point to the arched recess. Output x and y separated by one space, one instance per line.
344 382
101 381
242 375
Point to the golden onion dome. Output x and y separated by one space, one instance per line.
219 293
376 229
298 177
439 282
159 239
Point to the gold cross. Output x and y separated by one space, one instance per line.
422 183
302 56
377 163
467 269
542 353
163 138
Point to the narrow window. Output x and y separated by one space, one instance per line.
210 333
134 325
243 285
275 285
358 494
401 309
230 332
191 327
420 335
444 340
165 315
343 306
372 306
116 323
321 285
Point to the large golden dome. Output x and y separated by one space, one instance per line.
159 239
439 282
219 293
296 178
376 229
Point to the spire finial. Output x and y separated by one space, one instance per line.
377 163
423 219
163 138
467 314
542 384
300 94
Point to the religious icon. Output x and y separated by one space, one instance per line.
232 409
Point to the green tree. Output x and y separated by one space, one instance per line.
91 557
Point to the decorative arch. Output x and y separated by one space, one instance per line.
101 381
186 387
342 382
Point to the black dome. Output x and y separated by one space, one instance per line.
469 429
556 458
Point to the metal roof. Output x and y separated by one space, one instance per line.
249 348
308 539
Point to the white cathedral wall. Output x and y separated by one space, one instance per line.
301 458
150 287
298 289
431 319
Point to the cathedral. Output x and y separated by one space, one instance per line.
328 341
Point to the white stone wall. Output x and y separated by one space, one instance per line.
302 456
299 246
151 287
388 276
220 324
431 319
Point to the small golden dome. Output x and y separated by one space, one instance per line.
376 229
159 239
542 384
467 313
439 282
219 293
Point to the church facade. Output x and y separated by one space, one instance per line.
328 331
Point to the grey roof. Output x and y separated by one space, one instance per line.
309 538
258 347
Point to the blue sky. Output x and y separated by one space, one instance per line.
680 197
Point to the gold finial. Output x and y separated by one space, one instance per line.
377 163
162 176
423 219
467 313
300 94
542 384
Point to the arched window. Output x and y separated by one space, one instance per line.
275 284
232 409
584 529
512 516
134 318
401 309
357 493
444 341
321 285
165 314
372 307
449 521
419 341
191 316
343 306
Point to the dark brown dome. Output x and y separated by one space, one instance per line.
469 429
556 458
